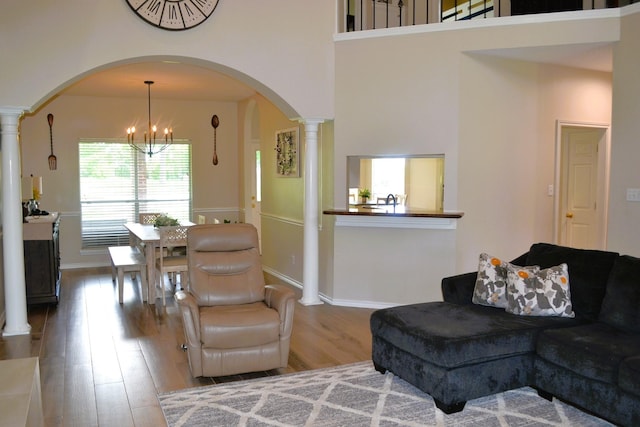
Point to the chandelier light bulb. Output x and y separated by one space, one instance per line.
130 134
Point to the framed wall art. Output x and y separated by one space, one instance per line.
287 153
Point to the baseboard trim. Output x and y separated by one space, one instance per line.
82 265
327 299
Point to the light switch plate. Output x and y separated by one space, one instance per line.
633 194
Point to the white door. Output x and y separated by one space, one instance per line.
580 213
256 196
252 177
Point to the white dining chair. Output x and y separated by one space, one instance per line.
148 217
170 262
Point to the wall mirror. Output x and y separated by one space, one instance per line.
416 181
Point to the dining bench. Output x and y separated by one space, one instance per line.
128 259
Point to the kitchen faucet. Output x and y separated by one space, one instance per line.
394 200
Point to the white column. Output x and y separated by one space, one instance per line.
13 254
310 294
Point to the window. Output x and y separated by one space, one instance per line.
418 179
387 176
117 183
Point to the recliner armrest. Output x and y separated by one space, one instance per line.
190 317
281 299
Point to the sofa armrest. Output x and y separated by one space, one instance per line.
281 299
190 317
459 289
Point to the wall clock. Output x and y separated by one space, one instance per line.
173 15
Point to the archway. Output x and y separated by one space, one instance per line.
81 118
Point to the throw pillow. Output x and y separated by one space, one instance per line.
539 293
491 282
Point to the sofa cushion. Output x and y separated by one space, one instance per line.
491 281
539 292
630 375
621 304
594 351
588 269
451 335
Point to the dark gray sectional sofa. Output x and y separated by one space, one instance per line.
457 351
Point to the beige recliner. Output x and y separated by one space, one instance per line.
233 323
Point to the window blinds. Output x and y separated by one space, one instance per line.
117 183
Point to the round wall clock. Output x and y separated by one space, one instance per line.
173 15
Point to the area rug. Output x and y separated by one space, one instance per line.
354 395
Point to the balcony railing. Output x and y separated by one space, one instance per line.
374 14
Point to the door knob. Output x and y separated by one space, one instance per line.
569 215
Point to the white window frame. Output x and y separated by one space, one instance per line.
103 217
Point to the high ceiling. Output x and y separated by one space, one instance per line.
171 81
592 56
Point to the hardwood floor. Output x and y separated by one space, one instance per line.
102 363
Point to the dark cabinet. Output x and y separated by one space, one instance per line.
42 262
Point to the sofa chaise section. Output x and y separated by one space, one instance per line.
443 348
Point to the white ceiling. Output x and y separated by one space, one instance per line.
171 81
592 56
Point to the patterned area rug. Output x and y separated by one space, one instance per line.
354 395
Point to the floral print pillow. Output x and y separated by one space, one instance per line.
491 282
542 293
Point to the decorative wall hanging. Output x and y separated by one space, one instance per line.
53 162
287 152
173 15
215 122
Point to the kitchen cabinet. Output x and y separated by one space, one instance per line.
42 259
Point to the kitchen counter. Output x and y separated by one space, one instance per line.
384 216
389 210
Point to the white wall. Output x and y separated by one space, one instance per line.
624 217
283 48
508 125
282 199
497 158
452 91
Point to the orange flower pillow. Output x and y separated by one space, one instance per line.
542 293
491 282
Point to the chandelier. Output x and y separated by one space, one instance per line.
150 146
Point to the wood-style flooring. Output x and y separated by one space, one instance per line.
103 363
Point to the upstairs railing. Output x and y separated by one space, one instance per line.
373 14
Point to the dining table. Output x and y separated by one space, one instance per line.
147 238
